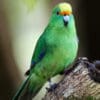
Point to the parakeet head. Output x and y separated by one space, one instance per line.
61 14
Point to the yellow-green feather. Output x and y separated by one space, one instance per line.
65 7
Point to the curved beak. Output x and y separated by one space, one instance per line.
66 16
66 19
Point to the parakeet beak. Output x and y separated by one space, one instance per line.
66 19
66 16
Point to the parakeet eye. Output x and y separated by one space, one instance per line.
57 12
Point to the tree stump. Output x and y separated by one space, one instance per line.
77 85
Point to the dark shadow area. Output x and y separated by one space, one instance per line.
93 29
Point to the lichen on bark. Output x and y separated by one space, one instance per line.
77 85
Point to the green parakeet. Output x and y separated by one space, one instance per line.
56 49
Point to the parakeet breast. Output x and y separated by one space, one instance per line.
61 49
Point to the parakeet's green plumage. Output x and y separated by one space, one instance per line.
55 50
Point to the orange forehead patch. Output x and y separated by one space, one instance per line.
65 13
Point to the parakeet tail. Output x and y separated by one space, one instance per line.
29 88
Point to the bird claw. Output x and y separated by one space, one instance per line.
52 87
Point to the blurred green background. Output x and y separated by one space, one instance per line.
21 24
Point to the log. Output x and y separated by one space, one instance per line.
76 85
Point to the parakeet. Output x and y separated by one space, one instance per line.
56 49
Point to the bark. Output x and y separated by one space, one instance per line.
77 85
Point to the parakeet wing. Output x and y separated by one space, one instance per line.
39 53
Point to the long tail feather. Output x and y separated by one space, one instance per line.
29 88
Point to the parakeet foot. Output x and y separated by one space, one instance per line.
53 86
